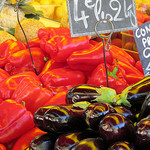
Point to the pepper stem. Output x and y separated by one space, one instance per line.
114 72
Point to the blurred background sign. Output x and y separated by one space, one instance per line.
2 2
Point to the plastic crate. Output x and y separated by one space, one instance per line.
128 41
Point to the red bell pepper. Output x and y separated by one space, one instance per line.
21 61
62 77
60 47
49 32
31 92
45 34
59 98
52 64
8 86
129 69
9 47
88 59
3 53
119 53
133 78
33 43
15 120
24 141
2 147
138 65
116 77
3 75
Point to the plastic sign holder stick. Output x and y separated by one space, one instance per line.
106 38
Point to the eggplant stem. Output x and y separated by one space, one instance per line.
122 98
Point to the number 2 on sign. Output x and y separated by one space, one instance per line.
99 13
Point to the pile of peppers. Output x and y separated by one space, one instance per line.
60 62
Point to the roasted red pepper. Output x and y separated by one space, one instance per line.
31 92
24 141
21 61
88 59
15 120
62 77
116 77
3 75
60 47
2 147
8 86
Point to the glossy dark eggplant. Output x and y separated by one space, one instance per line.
115 127
127 112
145 109
83 92
134 95
142 135
89 144
68 140
122 145
61 118
90 93
39 117
95 112
43 142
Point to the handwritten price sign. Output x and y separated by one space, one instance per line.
142 38
83 15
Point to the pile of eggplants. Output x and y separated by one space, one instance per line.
87 124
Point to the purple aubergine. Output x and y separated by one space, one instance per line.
142 135
114 127
68 140
121 145
95 112
89 144
145 109
43 142
134 95
62 119
82 92
125 112
39 117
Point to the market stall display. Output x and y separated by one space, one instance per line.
57 96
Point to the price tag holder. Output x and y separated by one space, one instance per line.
2 2
142 39
83 15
